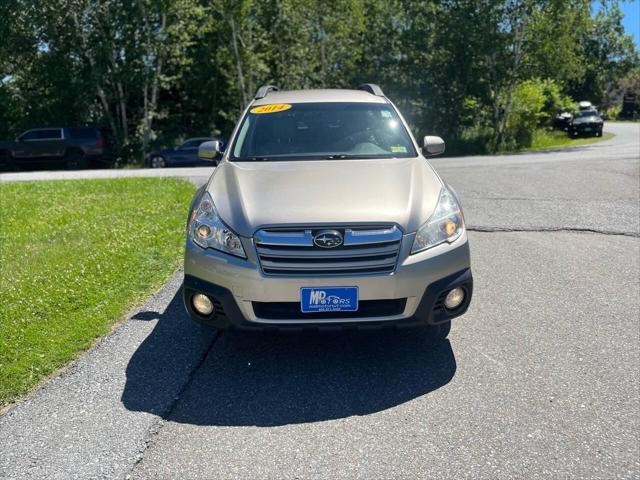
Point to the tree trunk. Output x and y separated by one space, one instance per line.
150 104
505 110
107 112
236 52
123 114
102 96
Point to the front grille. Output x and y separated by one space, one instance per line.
366 250
291 310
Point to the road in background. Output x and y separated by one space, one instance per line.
538 379
198 175
593 187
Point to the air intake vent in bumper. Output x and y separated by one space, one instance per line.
291 310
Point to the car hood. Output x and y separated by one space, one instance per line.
253 195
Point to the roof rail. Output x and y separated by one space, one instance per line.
371 88
264 90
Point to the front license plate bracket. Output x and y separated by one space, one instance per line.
328 299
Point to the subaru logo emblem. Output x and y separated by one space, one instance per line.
328 239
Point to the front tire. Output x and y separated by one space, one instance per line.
75 161
8 161
158 162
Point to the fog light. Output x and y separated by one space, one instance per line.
202 304
454 298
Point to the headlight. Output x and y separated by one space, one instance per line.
445 225
207 230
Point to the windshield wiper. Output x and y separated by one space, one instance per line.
364 156
252 159
340 156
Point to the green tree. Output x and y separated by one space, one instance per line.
609 54
156 71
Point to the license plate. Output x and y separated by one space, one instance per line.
328 299
588 129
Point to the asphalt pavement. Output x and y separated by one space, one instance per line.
537 380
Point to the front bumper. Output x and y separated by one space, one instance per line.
238 287
586 127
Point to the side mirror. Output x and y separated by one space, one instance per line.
209 150
432 146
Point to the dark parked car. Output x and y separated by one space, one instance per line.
586 122
184 155
72 147
562 121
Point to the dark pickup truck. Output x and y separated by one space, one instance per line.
71 147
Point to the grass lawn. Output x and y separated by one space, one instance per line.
74 257
543 139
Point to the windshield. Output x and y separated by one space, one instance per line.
307 131
585 113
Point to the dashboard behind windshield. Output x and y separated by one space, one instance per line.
307 131
585 113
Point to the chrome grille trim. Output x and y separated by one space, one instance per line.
285 238
329 252
365 237
291 251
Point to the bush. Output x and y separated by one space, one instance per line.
472 140
526 113
534 104
611 113
555 102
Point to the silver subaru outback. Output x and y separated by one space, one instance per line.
323 212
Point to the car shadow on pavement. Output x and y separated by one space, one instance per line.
278 379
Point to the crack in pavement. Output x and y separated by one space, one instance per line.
482 229
535 199
157 426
